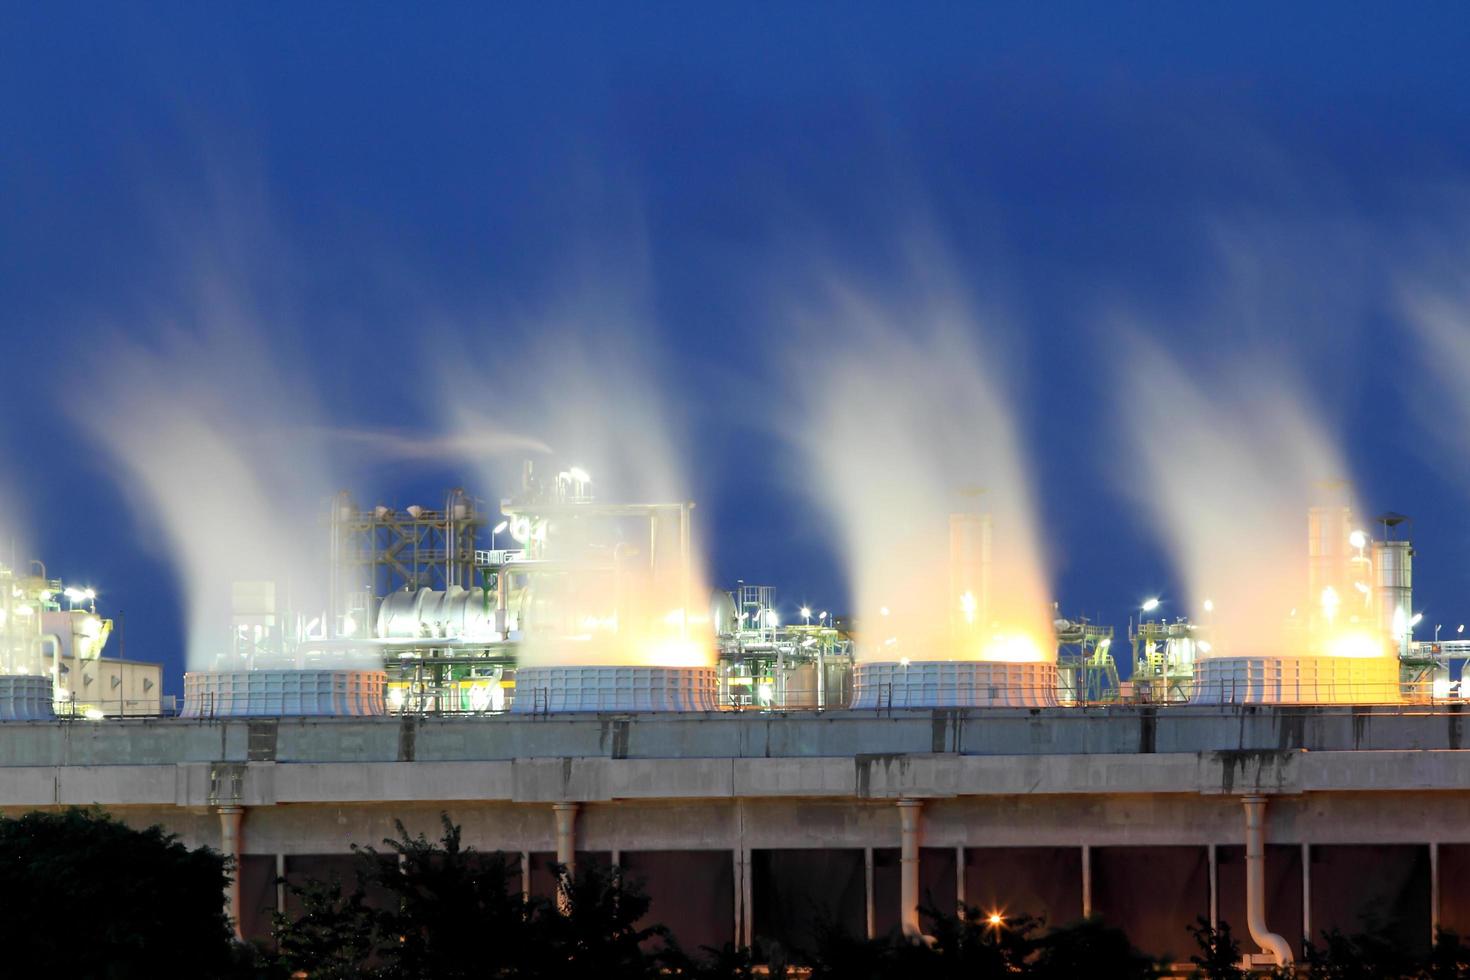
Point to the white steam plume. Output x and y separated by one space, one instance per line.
905 420
1226 461
209 437
587 385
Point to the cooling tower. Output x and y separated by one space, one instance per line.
25 697
283 693
955 684
614 688
1296 680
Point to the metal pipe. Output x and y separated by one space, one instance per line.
959 880
230 820
566 846
908 815
1255 882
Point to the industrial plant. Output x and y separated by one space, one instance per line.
552 670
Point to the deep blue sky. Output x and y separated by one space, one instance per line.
388 169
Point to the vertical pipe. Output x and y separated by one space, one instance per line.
1433 892
1214 888
1086 881
230 820
1306 891
909 812
566 847
1255 881
525 876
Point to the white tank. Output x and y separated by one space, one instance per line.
430 614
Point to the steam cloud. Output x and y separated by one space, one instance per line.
587 388
905 423
1226 462
210 438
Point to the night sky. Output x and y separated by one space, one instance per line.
370 187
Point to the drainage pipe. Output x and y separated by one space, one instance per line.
1255 882
230 819
908 813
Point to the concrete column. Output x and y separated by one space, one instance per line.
1086 881
747 892
909 812
1255 881
739 875
1433 891
1306 891
566 846
1214 888
959 880
872 919
231 819
281 883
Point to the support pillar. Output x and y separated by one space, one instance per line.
1255 882
1214 888
909 812
1086 881
281 883
1433 892
959 880
231 819
872 915
1306 892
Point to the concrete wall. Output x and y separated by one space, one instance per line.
1132 813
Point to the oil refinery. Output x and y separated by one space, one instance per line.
554 673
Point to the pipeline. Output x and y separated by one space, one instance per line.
1255 882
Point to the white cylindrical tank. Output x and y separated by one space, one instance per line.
430 614
1394 561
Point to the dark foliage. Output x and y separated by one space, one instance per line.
1219 952
86 896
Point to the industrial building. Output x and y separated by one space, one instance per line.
574 697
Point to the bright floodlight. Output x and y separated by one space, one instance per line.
772 620
1209 605
1358 539
500 528
996 919
1461 629
1415 621
75 595
1149 605
806 611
